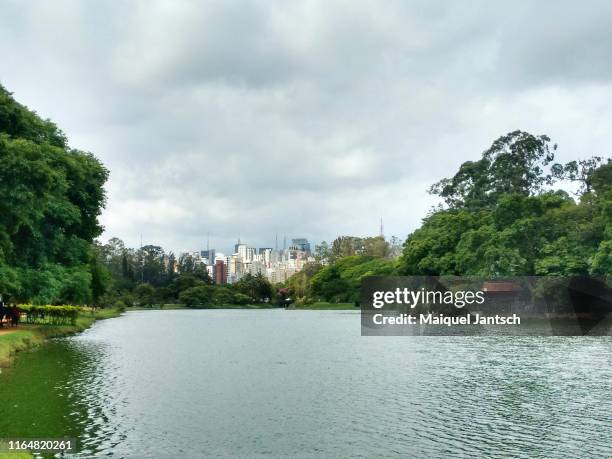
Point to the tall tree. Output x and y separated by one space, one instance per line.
50 199
514 164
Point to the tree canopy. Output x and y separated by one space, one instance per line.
51 196
503 216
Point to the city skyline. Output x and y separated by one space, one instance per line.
276 264
209 242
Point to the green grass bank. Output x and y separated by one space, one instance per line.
27 336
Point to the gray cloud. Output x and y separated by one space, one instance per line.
306 118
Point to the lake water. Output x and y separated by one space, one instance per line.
240 383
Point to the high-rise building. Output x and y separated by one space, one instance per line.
266 256
301 244
209 256
235 268
241 250
220 272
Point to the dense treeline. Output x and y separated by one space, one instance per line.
502 216
50 198
502 219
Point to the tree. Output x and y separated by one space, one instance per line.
329 285
50 199
196 296
185 281
256 287
376 247
299 283
100 280
505 224
153 269
581 171
172 267
145 294
345 246
514 164
601 179
322 251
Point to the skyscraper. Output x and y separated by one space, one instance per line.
301 244
220 272
209 256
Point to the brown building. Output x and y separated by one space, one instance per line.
220 273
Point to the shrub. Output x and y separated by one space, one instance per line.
223 296
145 293
53 315
241 298
196 296
120 305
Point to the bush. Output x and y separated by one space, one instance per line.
145 293
120 305
196 296
223 296
54 315
128 299
241 298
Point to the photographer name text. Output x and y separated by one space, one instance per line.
441 319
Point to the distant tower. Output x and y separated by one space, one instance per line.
276 243
284 243
382 234
143 261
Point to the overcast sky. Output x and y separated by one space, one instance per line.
307 119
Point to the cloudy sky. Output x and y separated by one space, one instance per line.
311 118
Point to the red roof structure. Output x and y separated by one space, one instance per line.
501 287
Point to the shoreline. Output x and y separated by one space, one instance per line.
319 306
28 336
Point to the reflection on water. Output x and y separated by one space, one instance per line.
304 383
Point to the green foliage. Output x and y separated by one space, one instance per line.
346 246
145 294
120 305
581 171
196 296
185 281
514 164
322 251
300 282
241 299
55 284
499 224
256 288
601 179
340 281
53 315
50 199
19 122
